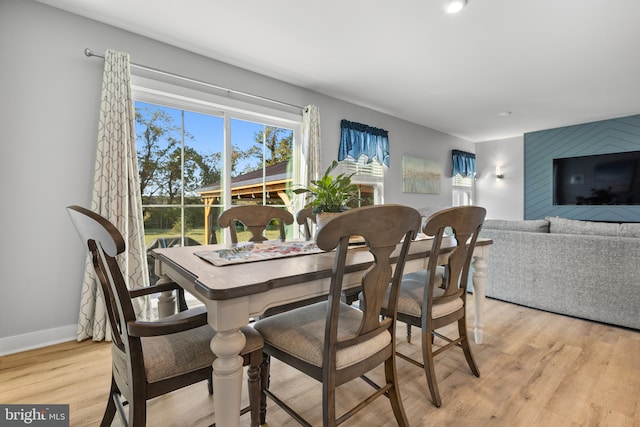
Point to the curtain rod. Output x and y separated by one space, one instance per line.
88 52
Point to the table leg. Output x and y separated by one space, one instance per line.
479 281
167 299
227 377
166 304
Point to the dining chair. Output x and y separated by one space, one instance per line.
437 296
256 218
153 358
333 342
306 218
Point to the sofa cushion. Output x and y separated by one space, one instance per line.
531 225
630 230
574 226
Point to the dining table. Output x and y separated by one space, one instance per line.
237 288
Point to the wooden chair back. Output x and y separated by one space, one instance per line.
105 242
306 218
256 218
383 227
464 222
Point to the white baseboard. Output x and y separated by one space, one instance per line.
38 339
44 338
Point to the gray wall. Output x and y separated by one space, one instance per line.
49 110
503 199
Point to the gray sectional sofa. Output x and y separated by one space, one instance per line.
584 269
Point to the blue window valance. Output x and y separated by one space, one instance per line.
358 140
463 163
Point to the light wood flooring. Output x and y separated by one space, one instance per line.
537 369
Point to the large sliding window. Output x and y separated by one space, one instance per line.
198 156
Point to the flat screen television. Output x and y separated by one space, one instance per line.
602 179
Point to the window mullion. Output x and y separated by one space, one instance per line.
182 211
226 170
264 162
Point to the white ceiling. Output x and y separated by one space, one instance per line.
550 63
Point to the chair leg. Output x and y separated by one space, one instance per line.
265 369
110 411
254 384
409 333
429 368
462 330
329 402
391 376
138 410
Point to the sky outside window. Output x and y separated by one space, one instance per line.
202 133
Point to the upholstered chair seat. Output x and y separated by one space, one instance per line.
306 341
410 300
412 293
167 356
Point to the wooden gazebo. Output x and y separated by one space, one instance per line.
273 182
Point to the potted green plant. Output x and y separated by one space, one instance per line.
329 194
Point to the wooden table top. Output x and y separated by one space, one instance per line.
237 280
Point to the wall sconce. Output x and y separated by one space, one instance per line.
499 173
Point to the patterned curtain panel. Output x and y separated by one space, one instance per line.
310 148
358 140
463 163
116 196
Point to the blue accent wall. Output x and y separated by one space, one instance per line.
540 148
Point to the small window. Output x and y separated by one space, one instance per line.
460 181
360 168
461 191
369 177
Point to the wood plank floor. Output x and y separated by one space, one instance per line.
537 369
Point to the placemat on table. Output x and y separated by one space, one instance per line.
252 252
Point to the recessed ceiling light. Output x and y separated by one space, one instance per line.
454 6
504 113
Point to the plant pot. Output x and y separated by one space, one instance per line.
323 217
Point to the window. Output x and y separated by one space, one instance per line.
462 191
198 156
369 177
463 171
362 151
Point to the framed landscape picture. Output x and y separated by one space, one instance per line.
420 176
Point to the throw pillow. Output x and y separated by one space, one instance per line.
576 226
629 230
530 225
